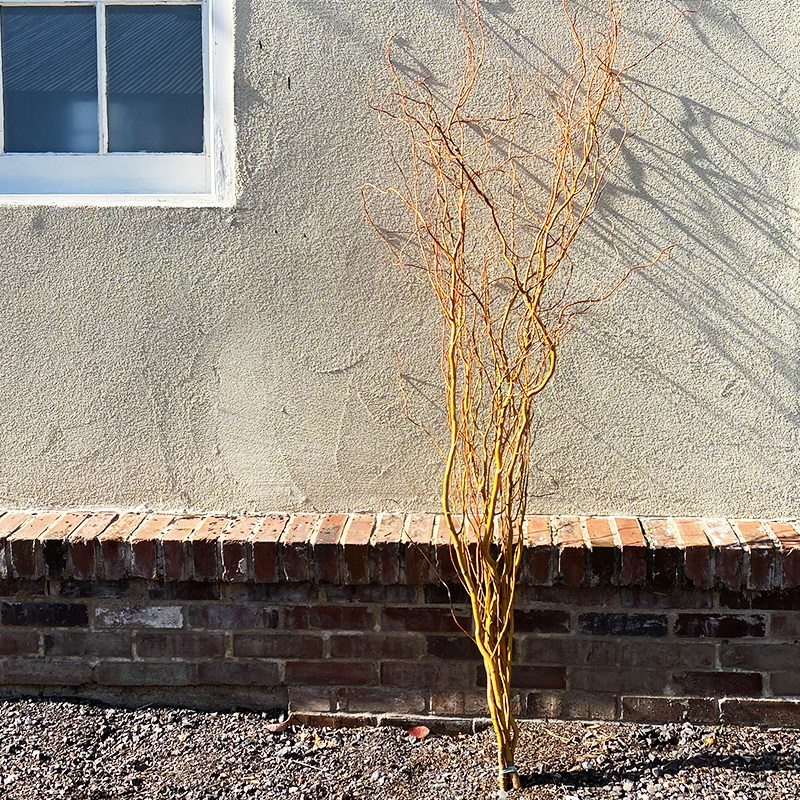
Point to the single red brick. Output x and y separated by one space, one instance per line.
174 544
371 646
395 701
784 683
719 626
305 699
418 538
668 709
276 645
762 656
777 713
17 643
9 522
114 543
633 569
728 552
234 545
666 554
617 680
603 553
538 563
83 541
761 554
697 552
526 677
429 674
452 648
565 650
572 549
227 672
54 544
571 705
331 618
325 547
355 548
718 684
460 704
541 620
46 672
654 655
295 544
386 549
143 544
331 673
785 626
424 619
25 552
789 539
180 645
205 548
265 548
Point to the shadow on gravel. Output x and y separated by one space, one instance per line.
634 769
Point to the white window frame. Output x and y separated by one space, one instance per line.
141 179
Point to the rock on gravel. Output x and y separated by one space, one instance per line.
85 751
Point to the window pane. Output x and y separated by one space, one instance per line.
49 79
154 58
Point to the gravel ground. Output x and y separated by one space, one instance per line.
55 749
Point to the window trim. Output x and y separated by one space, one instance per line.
180 179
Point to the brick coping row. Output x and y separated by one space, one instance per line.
413 549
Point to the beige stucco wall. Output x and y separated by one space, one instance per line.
246 358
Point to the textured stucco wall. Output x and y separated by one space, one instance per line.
246 358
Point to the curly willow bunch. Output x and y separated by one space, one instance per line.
491 223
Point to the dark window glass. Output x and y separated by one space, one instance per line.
154 58
49 79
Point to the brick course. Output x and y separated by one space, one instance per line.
616 618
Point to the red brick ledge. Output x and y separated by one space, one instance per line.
387 549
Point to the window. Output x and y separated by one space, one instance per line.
116 101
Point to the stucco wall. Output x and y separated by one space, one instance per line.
246 358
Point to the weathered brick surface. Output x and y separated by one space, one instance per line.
386 549
668 709
205 546
277 645
54 544
176 549
143 545
728 552
633 562
24 549
567 535
84 542
538 562
789 540
265 548
296 546
616 618
603 553
114 546
356 550
325 547
419 552
235 549
665 553
697 552
598 624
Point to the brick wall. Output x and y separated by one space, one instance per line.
359 616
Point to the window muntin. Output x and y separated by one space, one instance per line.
158 127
